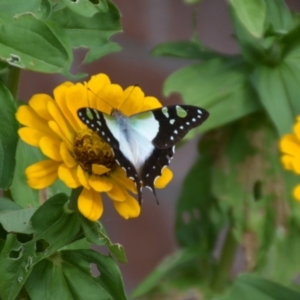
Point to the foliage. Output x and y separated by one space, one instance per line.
237 182
236 188
44 249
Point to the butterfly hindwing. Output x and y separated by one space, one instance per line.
154 165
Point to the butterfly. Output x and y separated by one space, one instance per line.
144 143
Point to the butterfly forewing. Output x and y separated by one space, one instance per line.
175 122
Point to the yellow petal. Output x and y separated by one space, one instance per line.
83 177
120 178
287 162
42 174
289 144
111 96
117 193
58 117
97 82
31 136
296 192
39 103
100 184
150 103
55 128
133 99
76 97
129 208
28 117
50 147
90 204
99 169
68 176
66 156
164 179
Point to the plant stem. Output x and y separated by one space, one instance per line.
74 198
12 82
225 263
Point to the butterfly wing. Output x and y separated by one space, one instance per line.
108 129
175 122
164 127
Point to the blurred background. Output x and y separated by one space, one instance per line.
149 238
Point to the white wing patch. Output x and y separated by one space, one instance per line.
134 135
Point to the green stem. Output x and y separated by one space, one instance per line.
74 198
225 264
12 81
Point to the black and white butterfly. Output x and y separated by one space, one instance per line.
144 143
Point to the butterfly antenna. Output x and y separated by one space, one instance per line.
133 87
99 97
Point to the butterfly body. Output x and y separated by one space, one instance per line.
143 144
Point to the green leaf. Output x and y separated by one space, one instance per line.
252 287
271 86
54 224
220 86
279 17
8 137
17 259
252 14
93 32
95 233
53 227
169 269
15 8
27 42
185 49
86 8
196 206
20 190
71 278
7 204
17 220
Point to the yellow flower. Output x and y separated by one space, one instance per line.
290 146
76 154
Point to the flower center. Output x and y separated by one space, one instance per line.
90 149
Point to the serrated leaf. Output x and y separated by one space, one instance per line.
252 287
220 86
93 32
14 8
185 49
8 137
30 43
73 278
96 234
252 14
